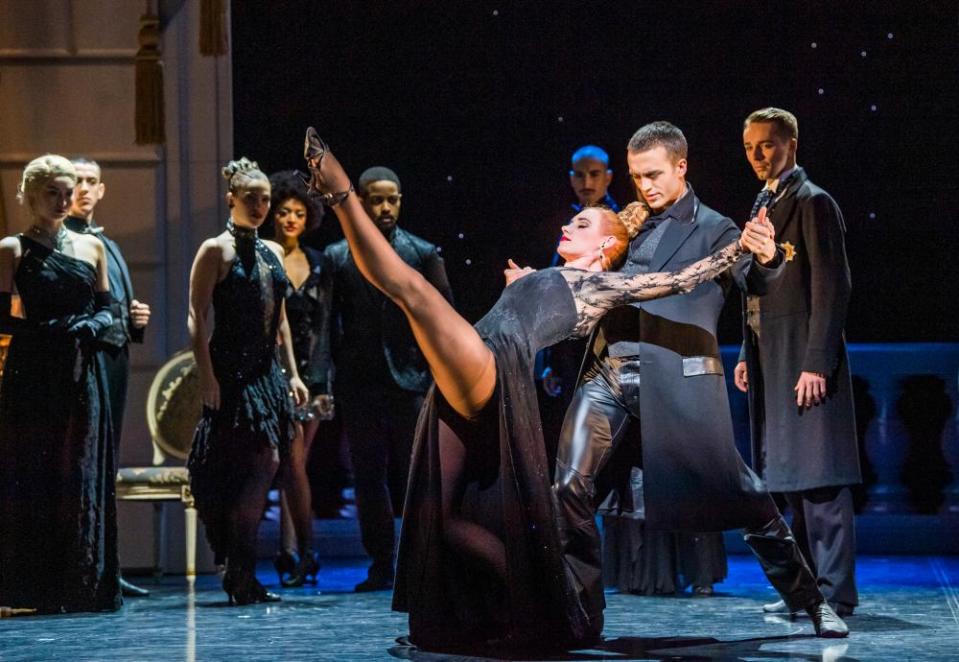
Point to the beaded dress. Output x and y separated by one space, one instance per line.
256 410
58 526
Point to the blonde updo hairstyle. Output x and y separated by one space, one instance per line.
42 170
240 173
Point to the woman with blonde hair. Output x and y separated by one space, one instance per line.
248 420
479 556
58 535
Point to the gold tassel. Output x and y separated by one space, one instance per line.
212 27
149 84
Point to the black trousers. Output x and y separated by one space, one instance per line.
380 423
603 408
117 362
825 527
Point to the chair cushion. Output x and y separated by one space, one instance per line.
154 475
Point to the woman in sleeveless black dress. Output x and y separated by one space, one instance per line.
58 535
293 214
247 422
479 554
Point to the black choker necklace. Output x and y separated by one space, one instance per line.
240 232
55 240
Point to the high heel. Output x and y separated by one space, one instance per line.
314 151
286 563
305 572
246 590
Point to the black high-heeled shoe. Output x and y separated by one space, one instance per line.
286 563
246 590
314 150
305 572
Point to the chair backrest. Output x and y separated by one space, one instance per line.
174 407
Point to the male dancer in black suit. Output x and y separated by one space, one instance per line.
130 317
794 364
381 375
656 365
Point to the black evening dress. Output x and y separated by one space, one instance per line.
58 529
508 483
256 411
308 314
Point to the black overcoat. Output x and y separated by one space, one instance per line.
694 477
801 321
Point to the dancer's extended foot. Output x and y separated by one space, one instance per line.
328 180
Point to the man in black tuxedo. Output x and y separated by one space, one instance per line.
381 375
130 317
794 366
655 365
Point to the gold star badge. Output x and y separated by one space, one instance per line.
789 250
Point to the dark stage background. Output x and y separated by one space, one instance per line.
478 105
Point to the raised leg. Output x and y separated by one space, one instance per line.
462 365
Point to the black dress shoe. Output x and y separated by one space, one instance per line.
131 591
827 623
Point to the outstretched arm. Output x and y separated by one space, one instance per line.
596 292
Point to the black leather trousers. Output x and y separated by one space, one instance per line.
602 409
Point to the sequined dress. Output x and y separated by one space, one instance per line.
508 483
58 527
255 408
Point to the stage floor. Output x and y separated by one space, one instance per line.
909 611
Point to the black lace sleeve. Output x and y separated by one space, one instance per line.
596 292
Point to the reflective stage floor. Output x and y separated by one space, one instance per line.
909 611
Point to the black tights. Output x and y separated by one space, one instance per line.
476 544
246 513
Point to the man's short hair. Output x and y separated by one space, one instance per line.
590 152
85 160
785 122
660 134
378 174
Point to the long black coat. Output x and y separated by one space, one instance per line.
369 329
801 322
694 477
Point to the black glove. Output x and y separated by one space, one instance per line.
87 327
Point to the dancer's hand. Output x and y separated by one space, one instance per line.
324 407
298 390
514 272
552 385
741 376
759 238
810 389
210 391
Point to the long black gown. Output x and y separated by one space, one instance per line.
508 484
58 528
256 411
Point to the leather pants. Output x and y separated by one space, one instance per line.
603 407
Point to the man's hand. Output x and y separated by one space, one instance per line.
741 376
514 272
552 385
759 238
139 314
810 389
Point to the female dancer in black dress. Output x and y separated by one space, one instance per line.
479 555
247 422
58 535
293 213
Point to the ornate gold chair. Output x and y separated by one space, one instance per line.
173 409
